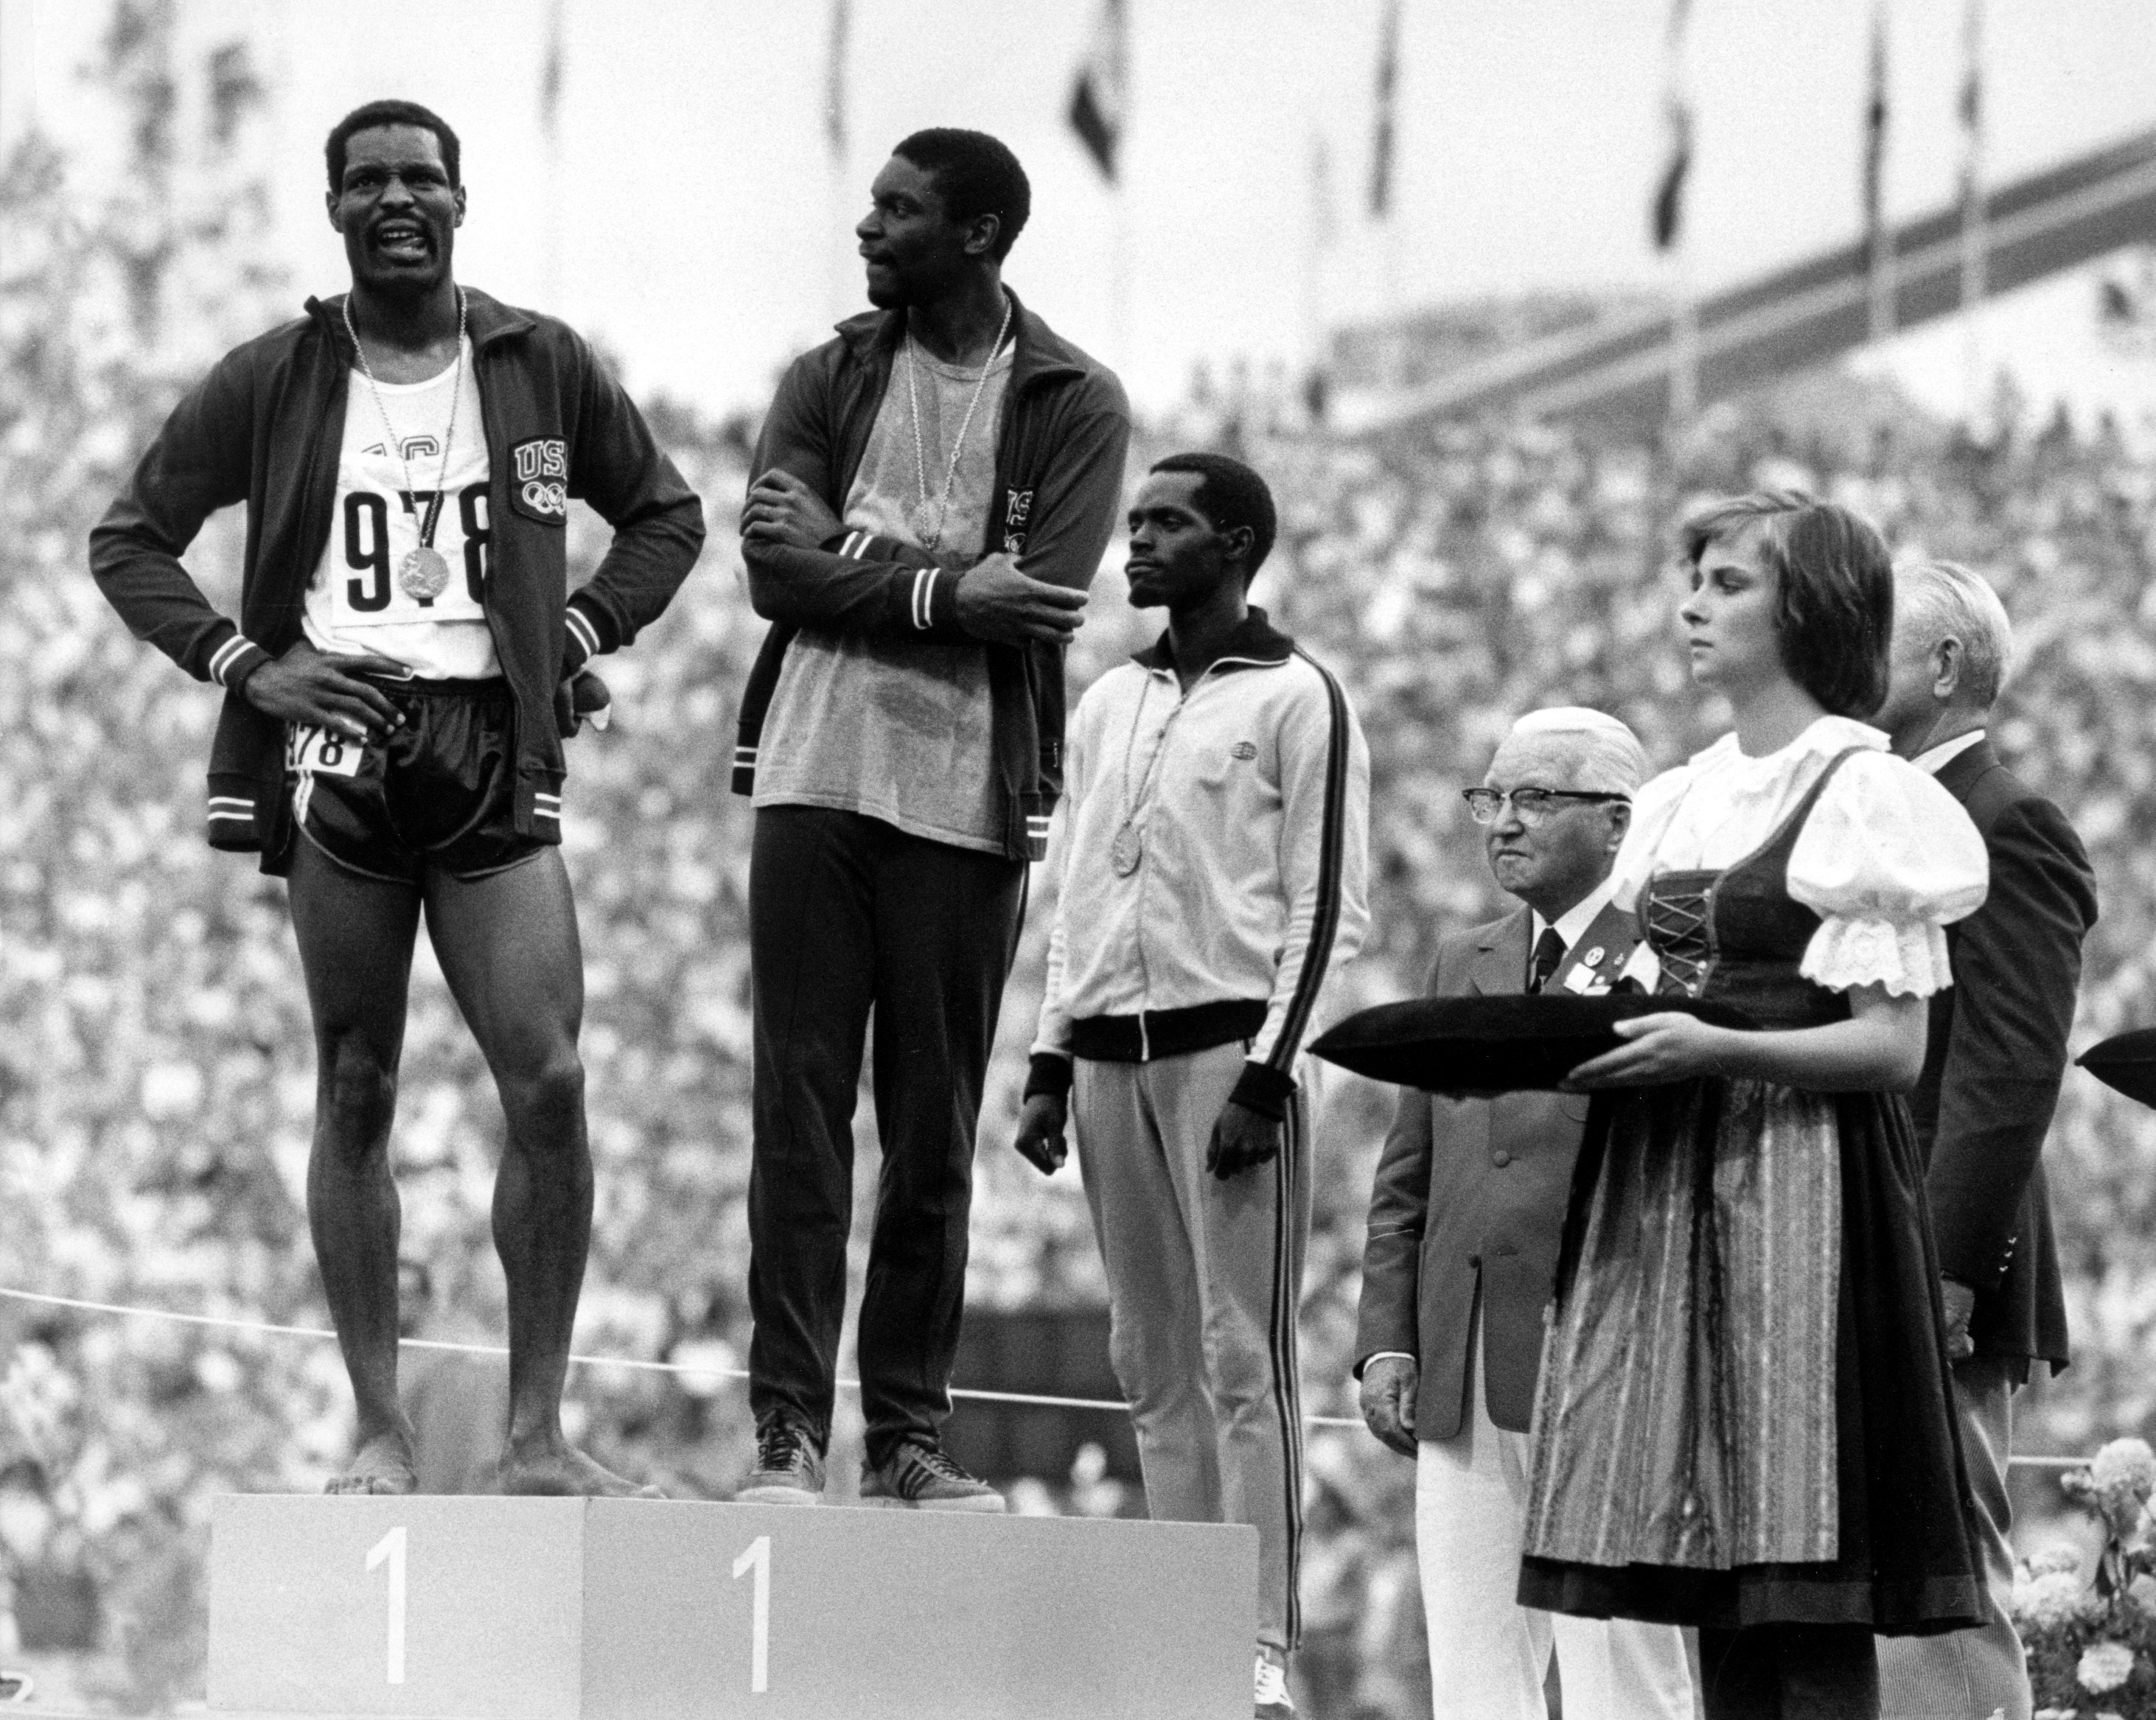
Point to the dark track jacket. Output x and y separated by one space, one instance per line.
1059 481
264 428
1995 1056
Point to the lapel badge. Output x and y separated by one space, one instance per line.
1592 957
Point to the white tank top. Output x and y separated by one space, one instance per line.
355 602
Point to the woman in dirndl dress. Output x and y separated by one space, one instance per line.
1744 1421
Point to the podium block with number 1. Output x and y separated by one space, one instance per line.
481 1609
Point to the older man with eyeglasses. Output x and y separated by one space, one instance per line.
1464 1222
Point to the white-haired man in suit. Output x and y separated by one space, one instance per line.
1464 1222
1982 1105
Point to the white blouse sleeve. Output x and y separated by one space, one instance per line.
1888 859
1653 806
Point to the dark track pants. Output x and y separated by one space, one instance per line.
849 915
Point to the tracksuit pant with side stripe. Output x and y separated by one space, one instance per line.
1204 1277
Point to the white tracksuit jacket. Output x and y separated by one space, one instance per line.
1249 796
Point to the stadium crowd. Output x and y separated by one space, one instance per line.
157 1078
158 1086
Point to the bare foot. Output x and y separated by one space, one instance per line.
562 1470
382 1465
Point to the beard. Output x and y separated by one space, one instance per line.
396 278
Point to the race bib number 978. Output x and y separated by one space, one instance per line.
308 747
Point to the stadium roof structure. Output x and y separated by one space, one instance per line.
1800 315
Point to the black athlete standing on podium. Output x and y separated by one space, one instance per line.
395 699
934 490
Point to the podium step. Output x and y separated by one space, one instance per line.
489 1609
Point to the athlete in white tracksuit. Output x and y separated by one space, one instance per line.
1211 861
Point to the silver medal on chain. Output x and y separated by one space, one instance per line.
925 517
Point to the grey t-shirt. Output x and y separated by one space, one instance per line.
896 728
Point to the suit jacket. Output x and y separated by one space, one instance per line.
1995 1056
1469 1201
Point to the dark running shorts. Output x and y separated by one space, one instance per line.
440 791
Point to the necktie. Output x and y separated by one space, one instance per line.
1549 951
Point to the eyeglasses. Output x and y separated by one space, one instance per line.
1533 807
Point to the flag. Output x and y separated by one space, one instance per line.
1100 98
1878 241
2126 306
1669 193
1676 117
2116 305
834 81
1388 82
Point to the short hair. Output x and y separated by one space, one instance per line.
373 116
975 174
1607 757
1834 580
1940 600
1230 495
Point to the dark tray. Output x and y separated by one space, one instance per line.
1476 1047
2126 1061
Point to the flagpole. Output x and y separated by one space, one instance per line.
1099 112
1878 230
1125 307
1684 343
1122 330
553 70
1973 237
1383 153
838 253
1668 224
1316 244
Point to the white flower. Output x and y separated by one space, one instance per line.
2055 1598
2055 1557
2105 1666
2126 1464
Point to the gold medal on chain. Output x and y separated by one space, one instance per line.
423 573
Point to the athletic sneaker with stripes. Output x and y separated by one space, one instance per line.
922 1477
1273 1702
789 1468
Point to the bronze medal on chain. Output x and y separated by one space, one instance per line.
1126 851
1126 848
